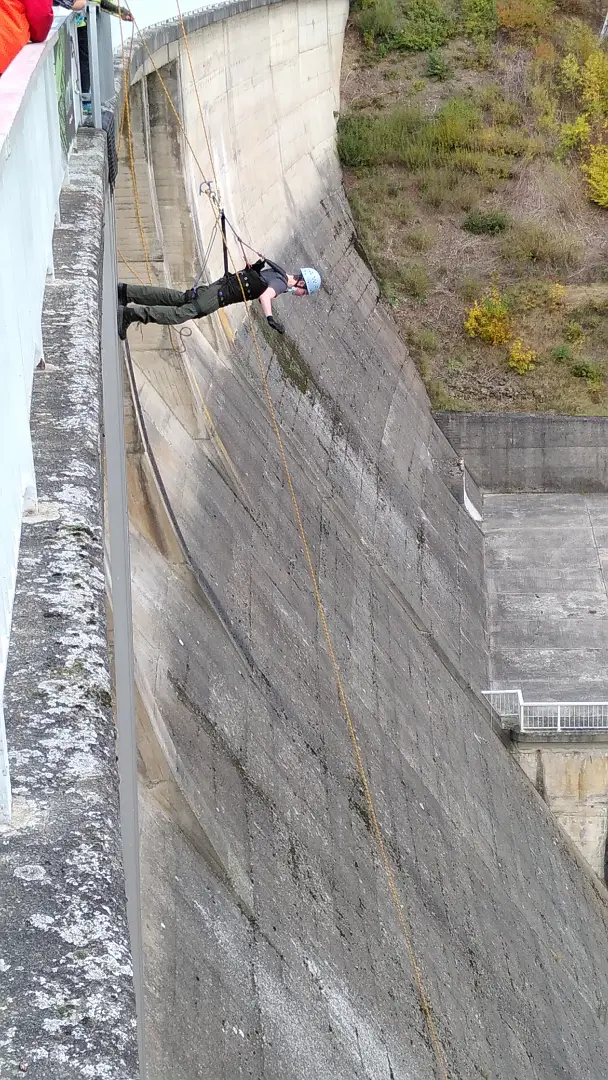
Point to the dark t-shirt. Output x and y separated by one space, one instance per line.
275 277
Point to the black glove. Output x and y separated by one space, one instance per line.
190 296
280 329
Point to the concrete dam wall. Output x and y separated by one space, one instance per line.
272 946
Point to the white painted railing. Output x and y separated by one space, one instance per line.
549 715
39 110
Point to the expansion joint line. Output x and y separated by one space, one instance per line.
390 877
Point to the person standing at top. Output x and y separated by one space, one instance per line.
79 6
22 21
263 281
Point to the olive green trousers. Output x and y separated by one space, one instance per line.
167 307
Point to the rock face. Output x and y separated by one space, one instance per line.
273 948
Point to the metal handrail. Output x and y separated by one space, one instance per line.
549 715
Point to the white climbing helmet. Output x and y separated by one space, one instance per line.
311 278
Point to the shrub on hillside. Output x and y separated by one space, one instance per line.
574 333
426 26
596 175
574 136
594 82
415 281
470 288
489 222
448 187
576 37
405 136
518 15
506 112
588 80
560 353
437 67
490 319
379 20
422 340
557 296
419 240
418 27
521 359
537 245
593 373
479 19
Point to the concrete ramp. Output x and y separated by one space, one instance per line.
273 948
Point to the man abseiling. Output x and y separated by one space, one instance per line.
263 281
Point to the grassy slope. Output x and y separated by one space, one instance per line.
410 218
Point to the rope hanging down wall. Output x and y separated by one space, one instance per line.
221 223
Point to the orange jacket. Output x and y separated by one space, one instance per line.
22 21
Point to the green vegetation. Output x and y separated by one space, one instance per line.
574 333
585 369
422 340
475 146
479 18
455 137
419 25
415 281
523 15
489 222
419 240
561 352
437 67
538 246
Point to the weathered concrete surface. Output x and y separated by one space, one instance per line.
519 452
67 1008
571 775
272 949
546 566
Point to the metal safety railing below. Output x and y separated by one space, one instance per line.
549 715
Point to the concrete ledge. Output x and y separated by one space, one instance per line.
555 739
67 996
531 452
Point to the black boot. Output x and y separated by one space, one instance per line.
126 316
122 294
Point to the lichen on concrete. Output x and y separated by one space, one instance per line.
67 1002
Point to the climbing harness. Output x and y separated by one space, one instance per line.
222 222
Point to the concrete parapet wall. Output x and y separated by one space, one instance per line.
271 945
66 1004
513 452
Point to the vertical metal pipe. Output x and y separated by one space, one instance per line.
94 64
120 570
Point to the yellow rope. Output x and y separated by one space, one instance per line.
125 73
128 266
200 107
194 381
423 997
127 112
